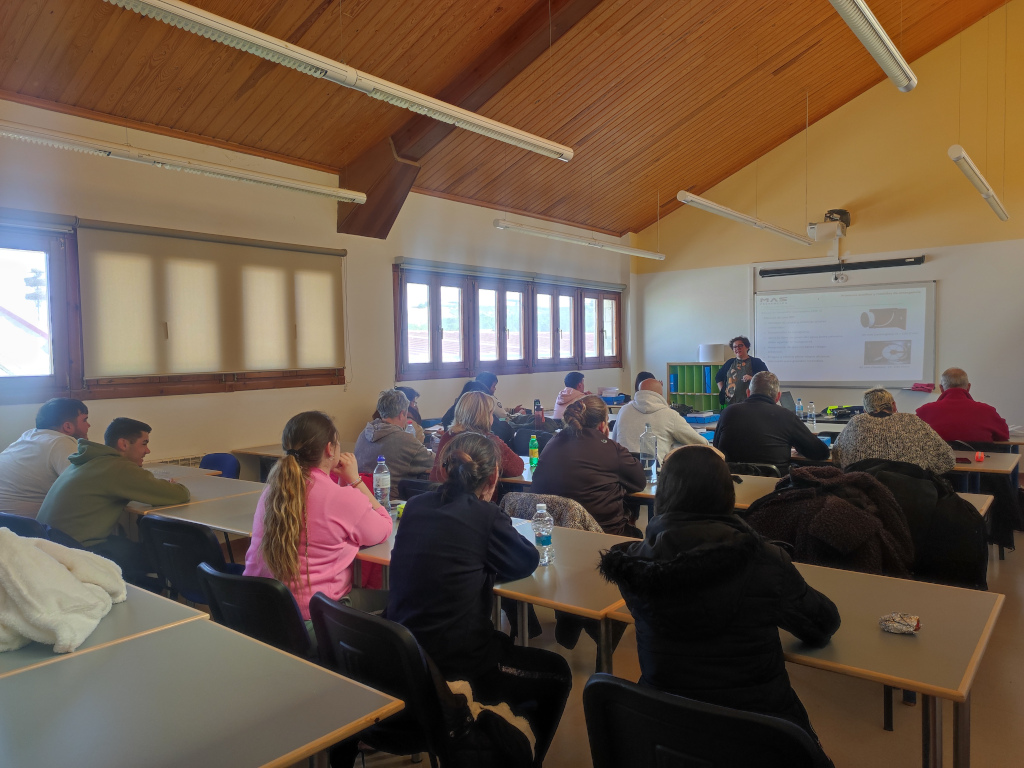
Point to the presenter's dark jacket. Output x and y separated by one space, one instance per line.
759 430
708 595
756 365
443 567
592 469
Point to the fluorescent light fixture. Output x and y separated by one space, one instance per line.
865 26
227 32
970 170
576 239
720 210
75 143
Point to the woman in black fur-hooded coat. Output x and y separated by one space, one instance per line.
709 594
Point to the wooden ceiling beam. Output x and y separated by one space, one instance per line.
496 67
384 172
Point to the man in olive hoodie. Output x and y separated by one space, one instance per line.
87 500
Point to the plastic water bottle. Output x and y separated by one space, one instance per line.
410 427
382 483
534 452
800 409
538 413
812 417
649 452
543 524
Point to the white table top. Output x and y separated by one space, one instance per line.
141 613
193 695
205 488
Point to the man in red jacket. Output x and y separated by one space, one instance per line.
958 416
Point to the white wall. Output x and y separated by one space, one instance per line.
43 179
979 316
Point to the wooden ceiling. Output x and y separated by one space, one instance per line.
652 95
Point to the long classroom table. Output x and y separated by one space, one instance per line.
193 694
939 662
571 583
141 612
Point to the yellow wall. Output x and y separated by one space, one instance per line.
882 157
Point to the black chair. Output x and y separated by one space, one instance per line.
755 468
176 548
263 609
521 441
384 655
31 528
26 527
644 728
413 486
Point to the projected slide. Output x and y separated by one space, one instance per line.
848 337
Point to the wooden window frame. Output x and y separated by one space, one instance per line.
64 320
435 369
68 379
405 371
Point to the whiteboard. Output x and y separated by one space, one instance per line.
873 335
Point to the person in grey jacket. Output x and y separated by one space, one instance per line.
882 433
649 406
403 453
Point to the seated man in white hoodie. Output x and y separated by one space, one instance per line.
649 407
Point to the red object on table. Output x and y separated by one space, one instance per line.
979 456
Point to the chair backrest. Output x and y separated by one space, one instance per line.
31 528
27 527
263 609
521 440
383 655
644 728
225 462
567 513
758 469
414 486
176 548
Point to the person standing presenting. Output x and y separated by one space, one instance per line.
735 375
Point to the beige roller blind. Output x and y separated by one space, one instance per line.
165 304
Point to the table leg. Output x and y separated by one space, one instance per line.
931 732
523 609
385 577
962 733
227 543
496 612
604 647
357 573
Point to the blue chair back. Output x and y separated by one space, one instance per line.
225 462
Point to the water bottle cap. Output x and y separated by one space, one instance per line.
542 507
380 459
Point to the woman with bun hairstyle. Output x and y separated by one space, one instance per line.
709 595
451 547
308 528
473 413
583 463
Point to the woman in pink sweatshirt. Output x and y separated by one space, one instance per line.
308 528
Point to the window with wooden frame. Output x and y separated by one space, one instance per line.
167 312
38 314
508 325
502 340
433 327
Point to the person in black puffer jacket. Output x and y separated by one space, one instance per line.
709 594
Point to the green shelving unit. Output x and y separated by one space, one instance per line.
695 385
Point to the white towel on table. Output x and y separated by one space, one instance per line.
52 594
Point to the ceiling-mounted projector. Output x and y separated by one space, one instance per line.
826 230
832 228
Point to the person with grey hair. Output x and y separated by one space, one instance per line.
881 432
405 455
757 430
958 416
